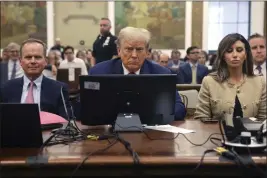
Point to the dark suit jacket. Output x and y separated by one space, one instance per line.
115 67
185 72
50 99
3 73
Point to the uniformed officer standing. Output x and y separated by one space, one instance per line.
104 47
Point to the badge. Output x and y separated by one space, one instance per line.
106 41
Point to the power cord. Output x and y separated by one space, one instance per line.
69 134
260 172
128 147
94 152
171 138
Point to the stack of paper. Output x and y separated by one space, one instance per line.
169 128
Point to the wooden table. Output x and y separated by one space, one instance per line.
182 87
157 157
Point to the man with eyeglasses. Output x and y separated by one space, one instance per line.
192 72
72 62
13 64
133 45
104 47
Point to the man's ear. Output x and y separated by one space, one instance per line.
119 51
20 59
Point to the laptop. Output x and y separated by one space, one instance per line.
20 126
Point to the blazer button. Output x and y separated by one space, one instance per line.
244 107
238 90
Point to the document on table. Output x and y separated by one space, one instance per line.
169 128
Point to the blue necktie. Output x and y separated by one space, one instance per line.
13 74
259 69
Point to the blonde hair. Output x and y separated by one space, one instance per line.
32 40
132 33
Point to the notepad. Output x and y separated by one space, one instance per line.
169 128
50 118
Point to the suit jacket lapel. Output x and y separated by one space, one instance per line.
198 72
145 68
189 71
42 93
117 67
17 95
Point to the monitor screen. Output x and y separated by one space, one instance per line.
151 96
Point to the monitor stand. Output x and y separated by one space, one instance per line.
128 122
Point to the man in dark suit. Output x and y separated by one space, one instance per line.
3 73
163 61
192 72
33 87
133 45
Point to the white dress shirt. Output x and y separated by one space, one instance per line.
126 71
76 63
263 70
19 70
49 74
36 89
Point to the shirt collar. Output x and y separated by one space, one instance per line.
263 66
13 61
191 64
73 61
37 82
126 71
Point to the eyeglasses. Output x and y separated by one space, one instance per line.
195 52
130 50
164 62
14 51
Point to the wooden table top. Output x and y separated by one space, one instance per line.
152 152
157 157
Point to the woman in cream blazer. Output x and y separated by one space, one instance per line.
234 77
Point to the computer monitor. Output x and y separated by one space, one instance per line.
130 100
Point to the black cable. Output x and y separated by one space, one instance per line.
171 138
69 134
91 153
217 139
128 147
202 159
260 171
201 144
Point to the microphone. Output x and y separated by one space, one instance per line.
64 104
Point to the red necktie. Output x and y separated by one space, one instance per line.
29 98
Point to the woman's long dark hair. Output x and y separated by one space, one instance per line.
222 72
